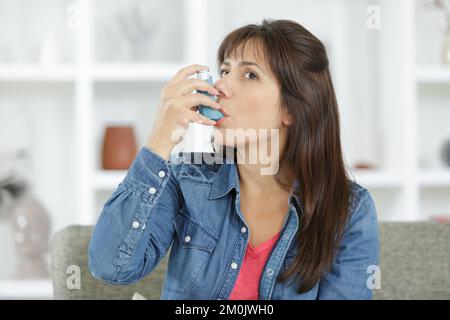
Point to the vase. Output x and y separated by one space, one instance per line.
119 148
31 225
445 153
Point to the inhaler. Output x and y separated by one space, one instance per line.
198 137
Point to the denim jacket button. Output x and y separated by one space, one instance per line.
152 190
187 239
135 224
234 265
269 272
243 229
161 174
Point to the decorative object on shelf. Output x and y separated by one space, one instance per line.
31 227
10 191
445 153
441 218
119 148
363 166
445 8
138 28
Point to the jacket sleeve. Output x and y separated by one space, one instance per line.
356 265
135 229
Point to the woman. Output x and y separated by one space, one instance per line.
305 232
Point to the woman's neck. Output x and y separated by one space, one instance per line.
253 176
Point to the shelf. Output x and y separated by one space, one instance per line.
135 72
434 177
108 179
105 180
433 74
26 289
380 179
377 178
12 73
100 72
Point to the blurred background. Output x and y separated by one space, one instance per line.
80 80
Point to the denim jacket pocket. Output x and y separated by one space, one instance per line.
190 253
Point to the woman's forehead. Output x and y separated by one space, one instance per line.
251 51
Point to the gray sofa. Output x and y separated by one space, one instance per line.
414 264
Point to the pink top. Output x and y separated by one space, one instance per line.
247 283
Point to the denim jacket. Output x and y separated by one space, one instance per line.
194 210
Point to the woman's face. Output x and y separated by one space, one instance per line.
251 95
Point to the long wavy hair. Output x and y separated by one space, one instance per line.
313 150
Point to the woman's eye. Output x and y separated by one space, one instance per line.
253 75
221 72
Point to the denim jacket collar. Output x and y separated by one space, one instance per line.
228 178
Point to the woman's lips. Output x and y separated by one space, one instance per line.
220 120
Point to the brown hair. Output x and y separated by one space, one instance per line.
313 150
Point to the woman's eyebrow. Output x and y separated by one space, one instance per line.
243 63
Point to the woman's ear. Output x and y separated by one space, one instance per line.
287 119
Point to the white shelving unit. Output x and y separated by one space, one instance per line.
397 184
403 188
137 72
36 73
26 289
434 178
90 73
106 180
398 70
154 72
432 101
433 75
378 178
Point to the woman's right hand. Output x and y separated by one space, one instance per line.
178 106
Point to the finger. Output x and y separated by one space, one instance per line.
185 72
188 86
196 99
197 117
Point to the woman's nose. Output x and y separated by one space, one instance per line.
220 96
224 91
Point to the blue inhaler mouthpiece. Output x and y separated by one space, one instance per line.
206 111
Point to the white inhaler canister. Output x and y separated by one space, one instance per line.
198 137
